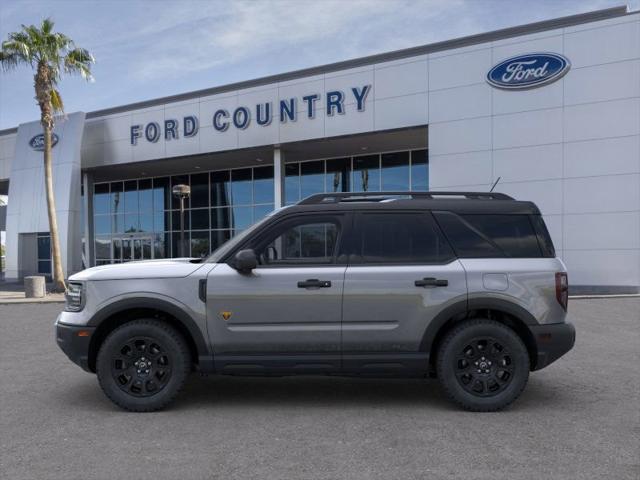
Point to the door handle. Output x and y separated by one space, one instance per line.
314 283
431 282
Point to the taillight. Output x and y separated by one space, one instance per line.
562 289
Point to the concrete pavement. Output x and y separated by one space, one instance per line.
577 419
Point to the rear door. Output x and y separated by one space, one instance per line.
401 274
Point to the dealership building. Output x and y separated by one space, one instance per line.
549 110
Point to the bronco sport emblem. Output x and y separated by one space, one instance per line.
528 71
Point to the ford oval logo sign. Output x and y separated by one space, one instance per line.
528 71
37 142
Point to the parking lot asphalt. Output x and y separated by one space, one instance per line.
577 419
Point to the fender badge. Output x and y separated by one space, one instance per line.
226 315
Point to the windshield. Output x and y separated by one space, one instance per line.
229 245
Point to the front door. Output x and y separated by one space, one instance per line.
286 314
130 248
401 274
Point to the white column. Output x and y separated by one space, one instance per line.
87 183
278 177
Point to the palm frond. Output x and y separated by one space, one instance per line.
79 61
56 101
9 61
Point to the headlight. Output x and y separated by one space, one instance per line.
73 297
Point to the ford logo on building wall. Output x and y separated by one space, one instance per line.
528 71
37 142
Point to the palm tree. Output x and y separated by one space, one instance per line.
50 55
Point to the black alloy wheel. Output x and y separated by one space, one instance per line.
482 365
143 364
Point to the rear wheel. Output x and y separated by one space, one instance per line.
482 365
142 365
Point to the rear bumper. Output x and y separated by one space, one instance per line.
552 342
74 341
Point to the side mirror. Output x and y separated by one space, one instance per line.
245 261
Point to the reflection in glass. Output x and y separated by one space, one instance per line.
131 203
311 178
117 198
200 190
218 237
127 247
420 170
175 220
145 195
160 242
117 223
103 247
101 198
261 211
131 222
117 249
292 183
146 222
366 173
161 194
220 218
338 173
160 222
220 189
242 217
102 224
200 219
199 244
241 186
263 185
395 171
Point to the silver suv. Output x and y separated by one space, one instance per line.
462 286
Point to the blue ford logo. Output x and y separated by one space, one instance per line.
528 71
37 142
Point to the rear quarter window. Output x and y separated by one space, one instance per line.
491 235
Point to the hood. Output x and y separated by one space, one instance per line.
165 268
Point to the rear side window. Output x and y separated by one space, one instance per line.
544 239
394 238
490 235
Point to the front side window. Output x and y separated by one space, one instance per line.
305 242
396 238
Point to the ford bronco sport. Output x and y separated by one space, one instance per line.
462 286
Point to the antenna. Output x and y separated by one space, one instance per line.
494 184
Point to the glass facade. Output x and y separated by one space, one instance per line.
394 171
140 219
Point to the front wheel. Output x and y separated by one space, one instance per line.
482 365
142 365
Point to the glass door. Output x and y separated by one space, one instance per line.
131 248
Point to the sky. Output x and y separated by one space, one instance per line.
150 49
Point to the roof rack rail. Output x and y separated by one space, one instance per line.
320 198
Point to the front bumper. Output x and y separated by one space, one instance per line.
74 341
552 342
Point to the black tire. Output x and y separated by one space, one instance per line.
482 365
143 364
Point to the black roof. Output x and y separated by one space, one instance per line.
457 202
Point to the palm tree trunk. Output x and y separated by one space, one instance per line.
58 275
